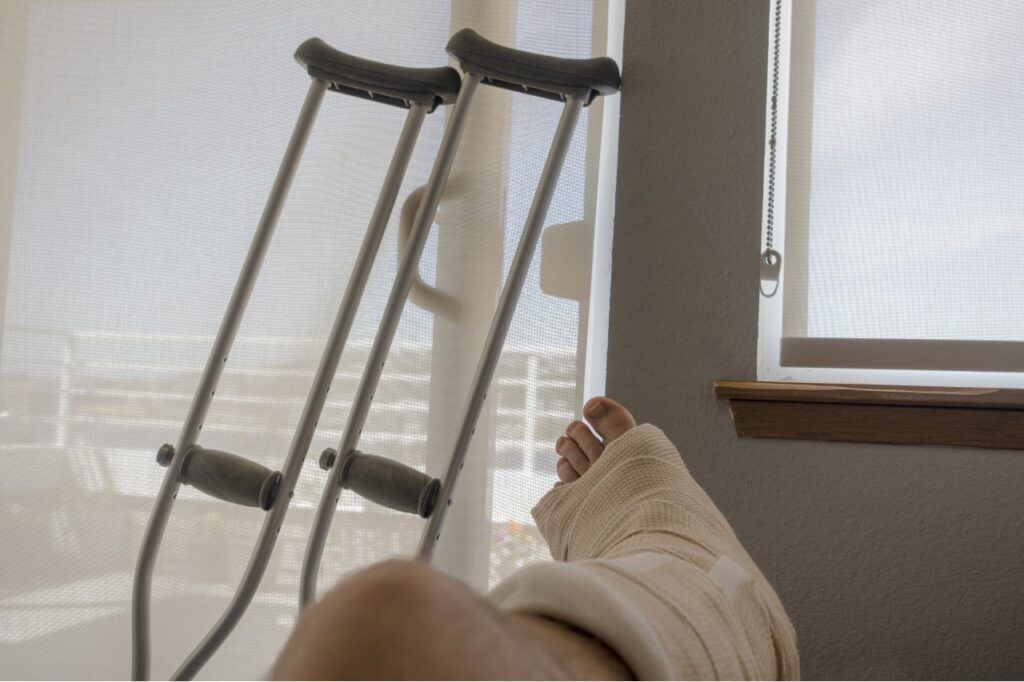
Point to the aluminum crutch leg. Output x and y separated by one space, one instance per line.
577 82
235 478
501 321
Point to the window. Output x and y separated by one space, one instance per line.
138 141
894 167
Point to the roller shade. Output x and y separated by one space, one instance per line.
899 167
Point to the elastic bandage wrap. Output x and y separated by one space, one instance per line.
646 563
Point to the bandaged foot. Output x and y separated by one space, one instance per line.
647 564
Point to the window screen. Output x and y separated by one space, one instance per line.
897 182
139 142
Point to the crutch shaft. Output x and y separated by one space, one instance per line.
211 375
404 278
502 319
353 294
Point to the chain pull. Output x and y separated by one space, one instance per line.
771 265
771 260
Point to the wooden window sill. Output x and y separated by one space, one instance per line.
965 417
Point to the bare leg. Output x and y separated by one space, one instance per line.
404 620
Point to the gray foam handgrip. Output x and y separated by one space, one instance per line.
229 477
391 484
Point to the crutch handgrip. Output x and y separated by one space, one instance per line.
230 478
390 484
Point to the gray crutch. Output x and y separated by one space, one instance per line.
234 478
393 484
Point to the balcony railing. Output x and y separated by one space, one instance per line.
82 413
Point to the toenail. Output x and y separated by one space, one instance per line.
596 408
559 443
569 429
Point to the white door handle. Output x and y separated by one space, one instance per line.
422 294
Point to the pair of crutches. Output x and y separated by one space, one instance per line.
393 484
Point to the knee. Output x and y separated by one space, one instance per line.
388 592
356 628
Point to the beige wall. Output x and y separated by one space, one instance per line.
893 561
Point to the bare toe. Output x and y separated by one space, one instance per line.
568 449
566 474
585 438
608 418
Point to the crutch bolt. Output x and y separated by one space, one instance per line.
327 458
165 454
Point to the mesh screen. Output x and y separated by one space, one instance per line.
915 167
142 139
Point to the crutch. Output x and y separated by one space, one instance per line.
576 82
234 478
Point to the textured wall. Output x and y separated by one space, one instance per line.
895 562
